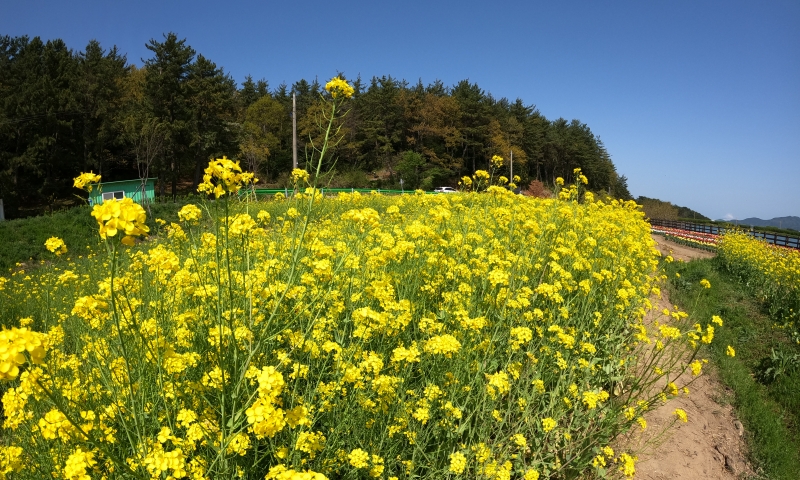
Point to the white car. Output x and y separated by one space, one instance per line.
445 190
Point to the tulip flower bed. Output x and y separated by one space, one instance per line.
705 241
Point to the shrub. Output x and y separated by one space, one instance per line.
537 189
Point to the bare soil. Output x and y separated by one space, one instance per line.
711 445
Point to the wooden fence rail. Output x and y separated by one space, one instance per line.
773 238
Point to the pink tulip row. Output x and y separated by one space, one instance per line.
706 239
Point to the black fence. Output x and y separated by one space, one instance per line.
773 238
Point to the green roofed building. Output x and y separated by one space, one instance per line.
124 189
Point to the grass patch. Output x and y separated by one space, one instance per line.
23 239
767 401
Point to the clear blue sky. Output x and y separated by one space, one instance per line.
698 102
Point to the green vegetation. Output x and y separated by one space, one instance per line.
23 239
661 210
764 379
356 336
63 112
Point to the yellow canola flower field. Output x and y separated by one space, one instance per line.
475 335
772 272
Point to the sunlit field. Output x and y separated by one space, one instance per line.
473 335
771 272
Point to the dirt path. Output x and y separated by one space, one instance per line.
711 444
678 251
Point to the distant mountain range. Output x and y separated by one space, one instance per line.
790 223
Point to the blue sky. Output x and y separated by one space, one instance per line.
698 102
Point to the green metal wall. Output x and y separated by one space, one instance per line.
130 189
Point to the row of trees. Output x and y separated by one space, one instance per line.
63 112
661 210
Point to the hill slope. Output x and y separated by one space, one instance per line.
789 223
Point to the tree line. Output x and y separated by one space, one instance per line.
64 111
661 210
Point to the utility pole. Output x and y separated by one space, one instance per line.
512 167
294 131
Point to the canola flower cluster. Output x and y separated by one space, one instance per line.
772 272
339 88
17 345
86 181
473 336
56 245
120 216
224 176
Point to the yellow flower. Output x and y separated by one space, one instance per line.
521 336
77 463
297 416
481 175
10 460
298 175
239 444
14 345
548 424
538 385
224 176
189 214
705 283
442 345
730 351
85 181
628 464
280 472
422 414
56 245
531 475
266 420
590 399
241 224
709 336
457 463
310 442
696 366
520 440
498 384
681 414
358 458
497 161
642 422
339 88
377 466
402 354
123 215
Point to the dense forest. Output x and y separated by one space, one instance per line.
64 111
655 208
